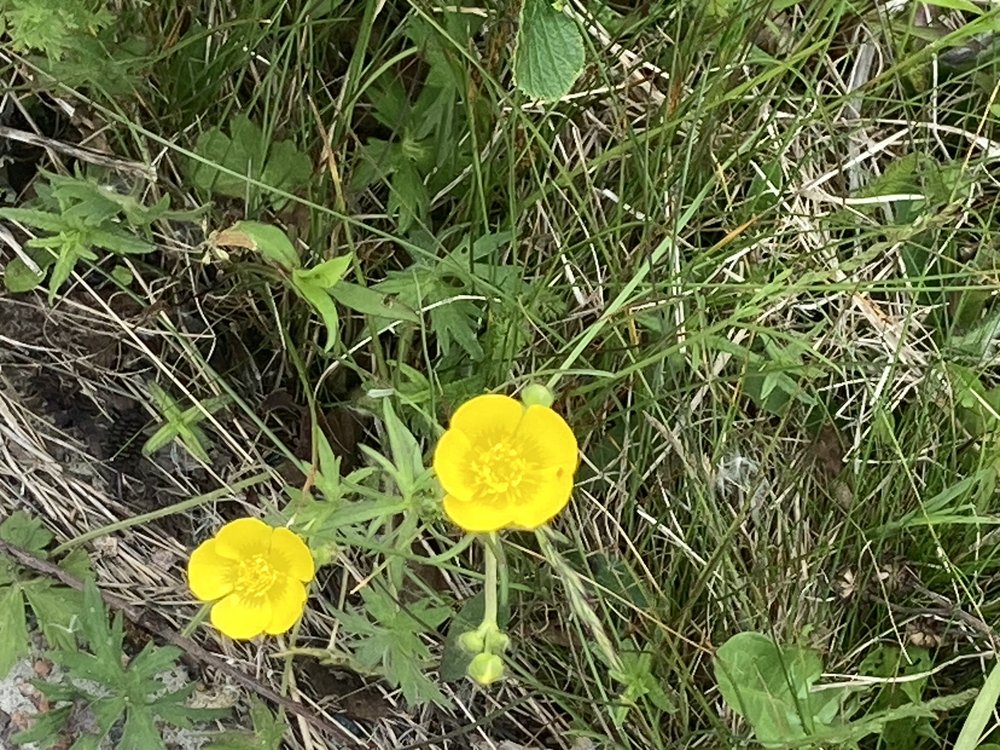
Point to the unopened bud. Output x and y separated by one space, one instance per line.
537 394
485 668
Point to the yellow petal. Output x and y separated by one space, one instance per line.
210 575
490 417
288 600
243 538
547 440
290 555
548 496
452 458
476 517
241 618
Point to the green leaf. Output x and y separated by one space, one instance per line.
769 686
56 608
286 167
46 729
242 153
265 239
246 151
549 55
406 454
77 564
140 730
26 532
123 275
118 242
394 642
320 299
34 218
14 644
325 274
369 302
268 732
17 277
408 198
455 659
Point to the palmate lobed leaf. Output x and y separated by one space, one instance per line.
26 532
13 625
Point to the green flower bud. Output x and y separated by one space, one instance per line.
537 394
485 668
473 641
496 641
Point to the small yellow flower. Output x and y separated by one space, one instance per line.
256 576
504 465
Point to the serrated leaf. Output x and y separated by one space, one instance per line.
549 55
26 532
286 167
55 608
77 564
408 198
14 644
45 729
369 302
265 239
118 242
50 222
140 730
243 153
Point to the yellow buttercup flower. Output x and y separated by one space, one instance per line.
256 576
505 465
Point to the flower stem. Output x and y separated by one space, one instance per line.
490 586
191 502
197 620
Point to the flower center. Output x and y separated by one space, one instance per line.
254 576
500 471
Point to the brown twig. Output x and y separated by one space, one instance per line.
154 625
78 152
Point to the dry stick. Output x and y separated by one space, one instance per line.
78 152
149 623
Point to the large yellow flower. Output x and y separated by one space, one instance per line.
504 465
256 576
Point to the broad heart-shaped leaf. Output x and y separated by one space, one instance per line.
242 153
549 55
246 151
768 685
268 240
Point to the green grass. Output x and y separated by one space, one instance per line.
770 385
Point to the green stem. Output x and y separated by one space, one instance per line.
197 620
490 586
193 502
